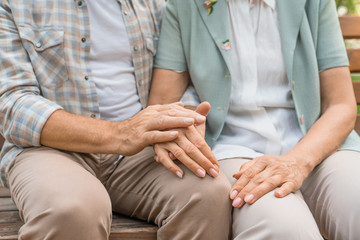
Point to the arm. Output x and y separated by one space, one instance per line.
289 171
167 86
82 134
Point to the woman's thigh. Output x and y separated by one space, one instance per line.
271 217
332 192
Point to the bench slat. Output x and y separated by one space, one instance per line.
350 26
357 124
356 86
354 59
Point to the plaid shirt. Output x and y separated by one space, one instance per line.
44 64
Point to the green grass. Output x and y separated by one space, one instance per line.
355 76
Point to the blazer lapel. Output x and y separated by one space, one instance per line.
218 26
290 13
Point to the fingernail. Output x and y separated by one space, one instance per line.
171 155
216 167
200 118
179 174
248 198
156 158
234 194
189 120
200 173
173 133
236 202
213 172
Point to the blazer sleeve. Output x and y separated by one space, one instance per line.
170 53
331 51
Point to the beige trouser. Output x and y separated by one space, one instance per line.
329 200
71 196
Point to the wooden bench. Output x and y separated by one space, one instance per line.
350 26
122 228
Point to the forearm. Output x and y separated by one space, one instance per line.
79 134
167 86
335 123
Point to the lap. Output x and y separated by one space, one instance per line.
43 178
332 193
271 217
140 181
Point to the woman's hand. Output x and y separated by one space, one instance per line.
264 174
190 148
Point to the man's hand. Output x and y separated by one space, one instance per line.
264 174
151 126
190 148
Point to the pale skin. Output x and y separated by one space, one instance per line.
70 132
285 173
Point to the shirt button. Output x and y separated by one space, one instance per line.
301 119
136 48
126 13
38 45
293 85
86 77
93 115
83 39
227 76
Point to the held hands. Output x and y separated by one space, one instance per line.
264 174
151 126
190 148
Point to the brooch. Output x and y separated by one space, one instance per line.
209 5
226 45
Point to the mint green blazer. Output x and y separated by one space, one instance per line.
191 40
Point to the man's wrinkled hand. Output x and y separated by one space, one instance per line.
150 126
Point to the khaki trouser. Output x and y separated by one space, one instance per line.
329 200
71 196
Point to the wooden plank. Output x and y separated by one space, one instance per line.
357 124
350 26
356 86
122 228
6 204
354 59
4 192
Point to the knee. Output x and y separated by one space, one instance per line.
82 216
207 196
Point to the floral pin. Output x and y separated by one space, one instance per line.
226 45
209 5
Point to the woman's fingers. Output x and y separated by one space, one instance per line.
163 158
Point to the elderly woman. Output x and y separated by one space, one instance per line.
275 73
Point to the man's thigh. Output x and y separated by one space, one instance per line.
57 197
271 217
142 188
42 177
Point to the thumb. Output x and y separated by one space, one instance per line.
203 108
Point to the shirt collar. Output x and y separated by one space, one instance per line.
270 3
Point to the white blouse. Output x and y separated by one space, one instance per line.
261 117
